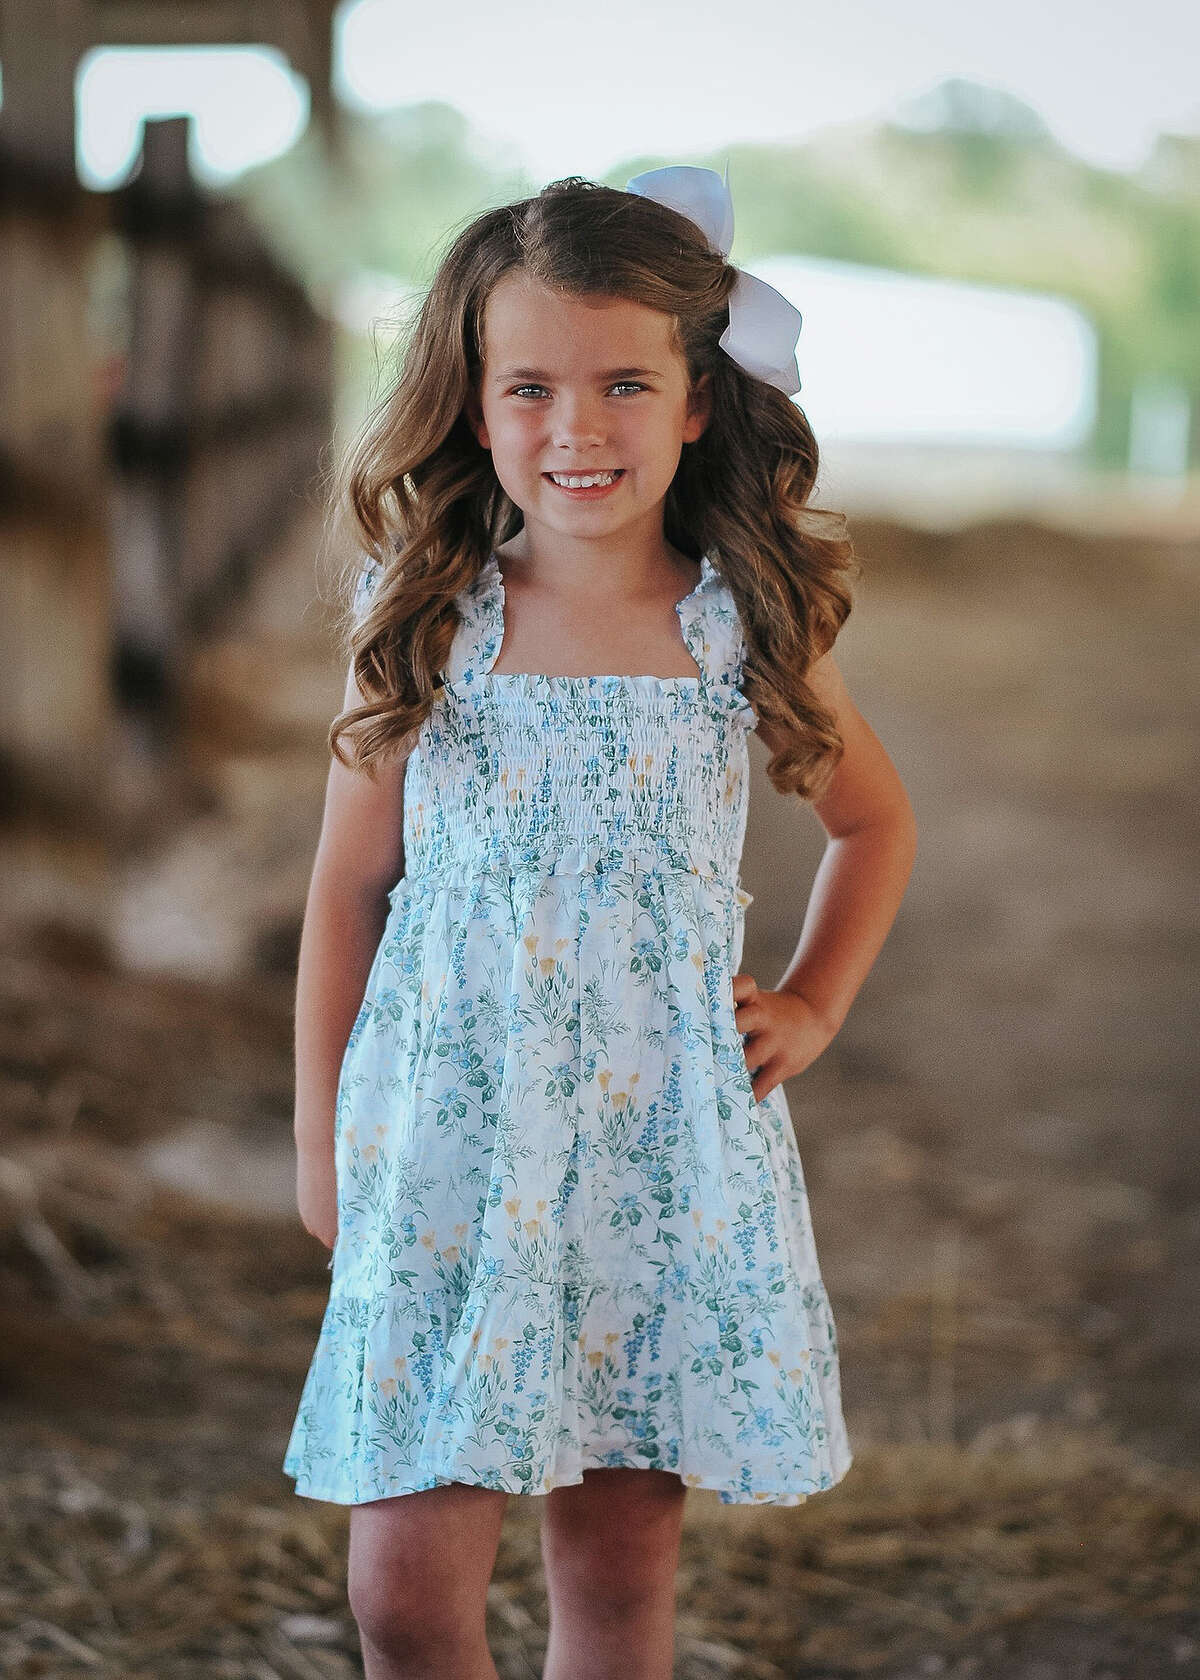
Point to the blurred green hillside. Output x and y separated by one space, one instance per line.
966 182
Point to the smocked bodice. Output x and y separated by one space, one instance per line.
567 772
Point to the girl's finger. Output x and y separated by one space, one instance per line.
751 1017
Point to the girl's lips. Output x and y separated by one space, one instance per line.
589 492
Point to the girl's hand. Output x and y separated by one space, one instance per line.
316 1193
785 1033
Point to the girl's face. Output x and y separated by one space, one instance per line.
580 386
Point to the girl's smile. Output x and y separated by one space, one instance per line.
590 486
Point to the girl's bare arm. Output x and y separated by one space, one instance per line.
865 868
360 857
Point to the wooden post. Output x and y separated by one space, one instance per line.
149 448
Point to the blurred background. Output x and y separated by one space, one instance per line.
213 214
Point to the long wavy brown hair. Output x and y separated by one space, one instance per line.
420 497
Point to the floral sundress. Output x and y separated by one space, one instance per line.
569 1237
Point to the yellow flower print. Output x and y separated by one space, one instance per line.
697 1215
541 1206
547 965
620 1098
711 1240
595 1359
604 1076
388 1387
428 1240
531 1227
513 1206
773 1356
450 1253
400 1365
720 1224
460 1231
531 943
370 1152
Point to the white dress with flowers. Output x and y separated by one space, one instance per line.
569 1237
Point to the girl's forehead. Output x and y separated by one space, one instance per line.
525 320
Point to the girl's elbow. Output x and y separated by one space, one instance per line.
906 830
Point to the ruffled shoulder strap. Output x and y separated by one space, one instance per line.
713 631
477 640
478 604
364 586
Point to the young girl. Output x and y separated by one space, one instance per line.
540 1112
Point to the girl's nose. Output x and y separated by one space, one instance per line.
578 423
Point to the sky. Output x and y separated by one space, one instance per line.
569 97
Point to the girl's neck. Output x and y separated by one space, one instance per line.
617 576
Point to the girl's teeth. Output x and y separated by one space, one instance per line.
583 483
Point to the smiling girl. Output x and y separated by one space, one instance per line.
540 1113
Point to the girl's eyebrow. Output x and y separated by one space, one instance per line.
612 373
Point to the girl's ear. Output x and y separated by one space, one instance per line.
699 410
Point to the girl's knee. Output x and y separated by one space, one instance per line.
386 1632
404 1615
418 1571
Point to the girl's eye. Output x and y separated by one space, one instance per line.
621 385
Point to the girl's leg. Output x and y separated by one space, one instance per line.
611 1549
419 1570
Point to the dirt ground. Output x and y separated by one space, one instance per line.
1000 1149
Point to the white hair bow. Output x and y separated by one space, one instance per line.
763 325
